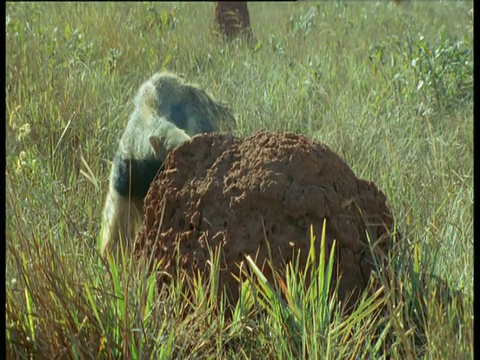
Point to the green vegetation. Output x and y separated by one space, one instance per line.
389 88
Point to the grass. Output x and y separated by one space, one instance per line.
389 88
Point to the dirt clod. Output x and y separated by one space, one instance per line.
241 193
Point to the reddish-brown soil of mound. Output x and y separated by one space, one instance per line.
233 19
219 189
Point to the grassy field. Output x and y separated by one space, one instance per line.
389 88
